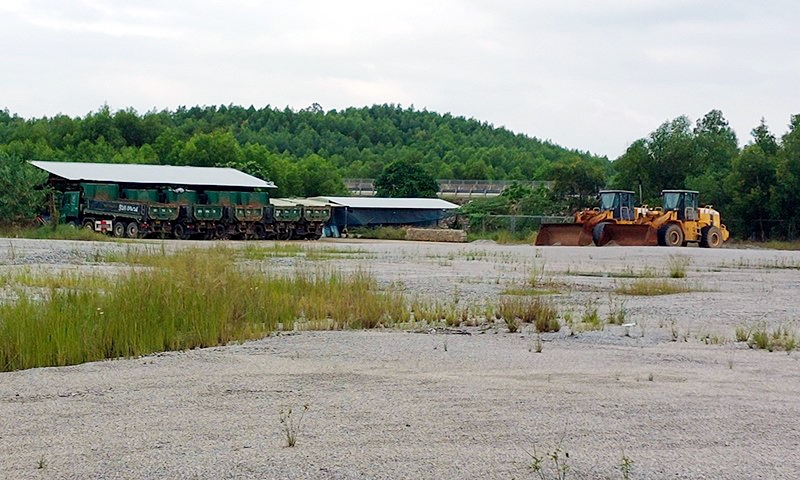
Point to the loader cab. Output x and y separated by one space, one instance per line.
684 202
620 202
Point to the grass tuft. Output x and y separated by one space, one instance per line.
58 232
652 287
535 310
676 264
742 334
291 425
780 338
590 319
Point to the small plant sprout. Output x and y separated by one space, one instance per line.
538 344
673 328
626 466
616 311
41 463
291 425
558 458
536 276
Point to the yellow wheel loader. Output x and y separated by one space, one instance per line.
590 225
677 222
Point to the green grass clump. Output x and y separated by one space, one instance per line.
676 264
742 333
535 310
259 252
504 237
379 233
194 298
58 232
288 250
651 287
590 320
440 312
616 311
780 338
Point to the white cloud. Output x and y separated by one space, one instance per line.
589 75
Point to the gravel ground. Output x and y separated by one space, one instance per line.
398 404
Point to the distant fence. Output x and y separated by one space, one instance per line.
514 224
448 187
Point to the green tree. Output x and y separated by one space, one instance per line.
752 178
577 181
787 189
714 148
209 149
317 176
405 179
661 161
22 186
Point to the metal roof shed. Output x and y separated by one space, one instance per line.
126 173
376 211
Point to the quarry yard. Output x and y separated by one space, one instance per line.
669 388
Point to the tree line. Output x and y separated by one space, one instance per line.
756 187
308 153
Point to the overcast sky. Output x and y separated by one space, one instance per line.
591 75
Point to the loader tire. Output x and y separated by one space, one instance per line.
599 237
670 236
710 237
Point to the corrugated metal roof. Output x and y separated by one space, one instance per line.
311 202
378 202
152 174
282 202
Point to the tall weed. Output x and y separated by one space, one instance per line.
194 298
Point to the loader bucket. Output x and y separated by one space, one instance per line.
630 235
564 234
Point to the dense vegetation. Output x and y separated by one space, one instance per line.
304 153
308 152
757 188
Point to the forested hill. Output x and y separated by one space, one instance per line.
309 152
356 142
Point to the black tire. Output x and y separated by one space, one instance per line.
710 237
178 231
72 224
88 224
670 236
259 231
599 237
118 229
132 230
220 232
